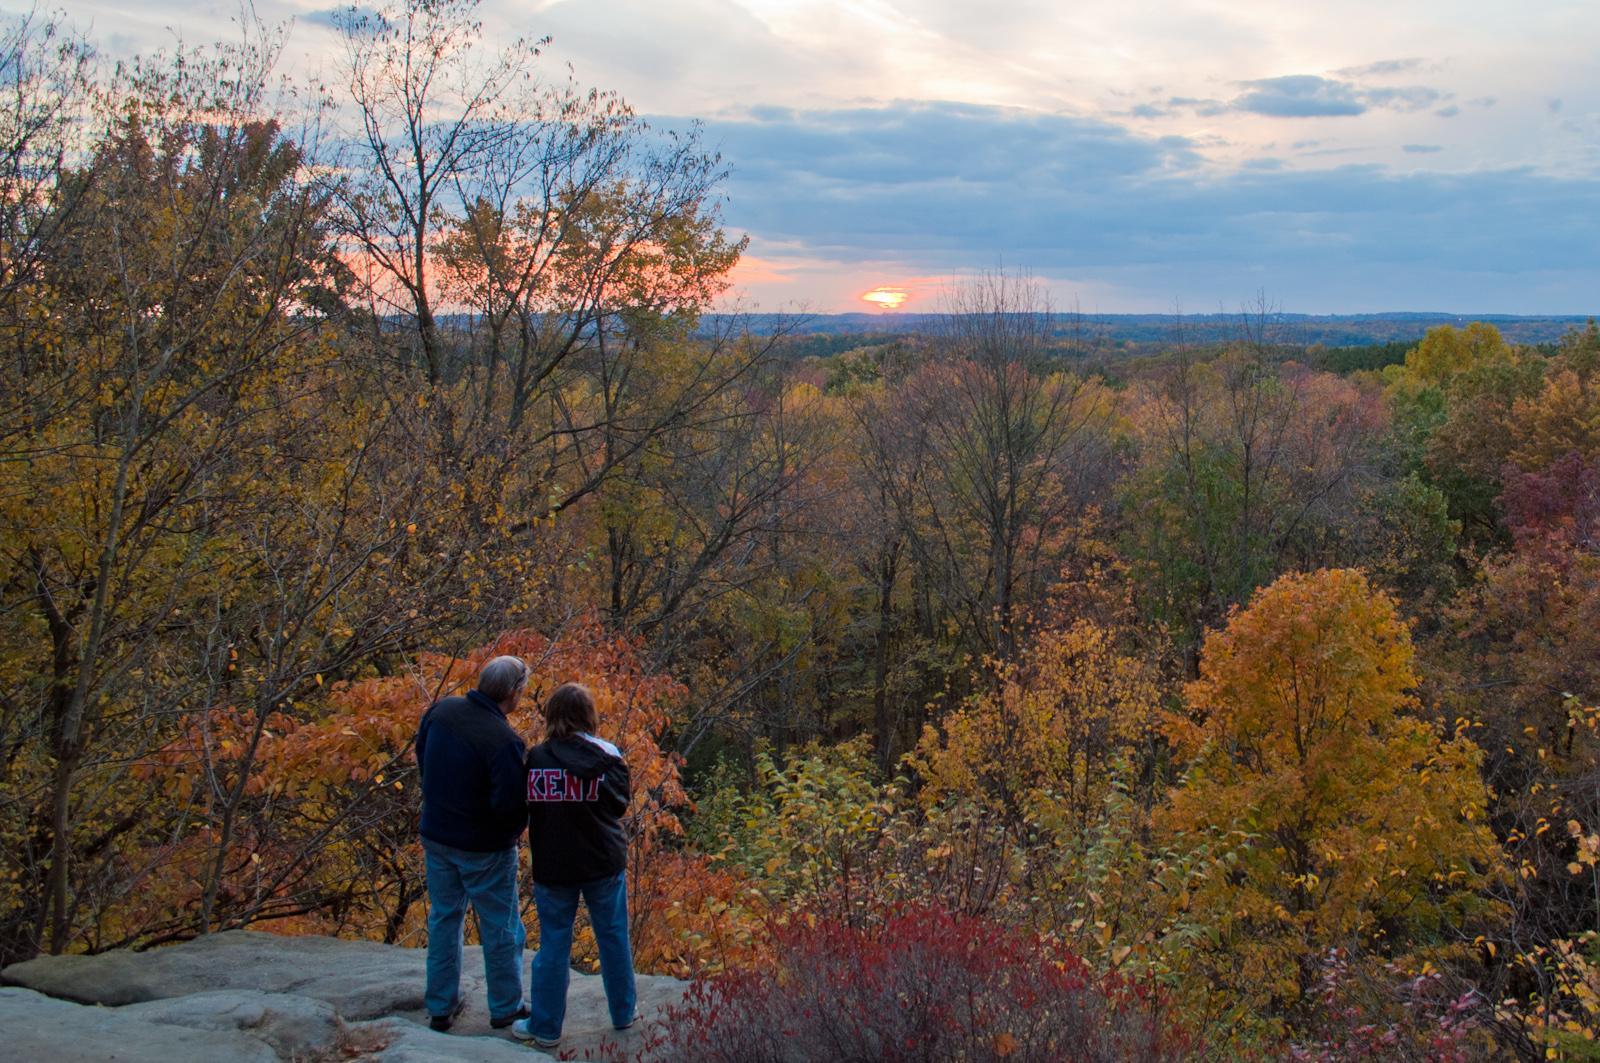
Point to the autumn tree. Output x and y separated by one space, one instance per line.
1562 419
559 225
1040 750
1520 656
713 548
196 235
974 468
1246 469
48 73
1518 652
214 540
329 843
1348 820
431 107
576 249
1446 352
1453 420
1015 451
890 444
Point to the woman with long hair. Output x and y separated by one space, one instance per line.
578 790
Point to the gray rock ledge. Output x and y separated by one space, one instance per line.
248 996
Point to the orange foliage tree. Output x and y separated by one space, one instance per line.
331 845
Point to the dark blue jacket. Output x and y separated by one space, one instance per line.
474 788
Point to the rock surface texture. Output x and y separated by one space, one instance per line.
251 996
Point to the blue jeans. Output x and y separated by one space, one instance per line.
488 881
607 900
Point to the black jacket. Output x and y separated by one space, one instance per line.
578 789
472 782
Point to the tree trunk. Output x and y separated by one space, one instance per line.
60 848
882 724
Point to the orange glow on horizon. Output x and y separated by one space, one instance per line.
886 298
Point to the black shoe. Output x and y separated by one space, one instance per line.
441 1023
506 1020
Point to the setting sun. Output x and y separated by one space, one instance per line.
886 298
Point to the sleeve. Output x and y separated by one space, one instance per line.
508 786
419 746
618 790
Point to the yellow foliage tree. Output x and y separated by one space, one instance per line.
1447 351
1039 751
1563 419
1347 821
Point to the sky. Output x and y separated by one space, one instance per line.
1346 156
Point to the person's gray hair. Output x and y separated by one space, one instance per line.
501 677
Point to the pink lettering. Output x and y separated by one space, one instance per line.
556 784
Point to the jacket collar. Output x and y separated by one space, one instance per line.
601 744
482 700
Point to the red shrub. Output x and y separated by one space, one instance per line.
1375 1011
924 984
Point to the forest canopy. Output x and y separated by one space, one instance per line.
1256 691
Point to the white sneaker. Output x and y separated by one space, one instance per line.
523 1031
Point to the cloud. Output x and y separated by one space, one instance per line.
946 187
1300 96
1311 96
335 17
913 143
1384 68
1203 107
1413 98
1421 149
1347 150
1448 112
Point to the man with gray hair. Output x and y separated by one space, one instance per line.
474 809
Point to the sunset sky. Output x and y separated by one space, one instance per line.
1135 155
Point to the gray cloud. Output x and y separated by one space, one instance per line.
1203 108
1412 98
334 17
947 186
1384 68
1310 96
916 143
1311 152
1421 149
1300 96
